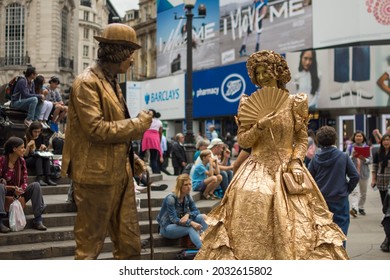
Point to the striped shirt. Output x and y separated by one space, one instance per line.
382 179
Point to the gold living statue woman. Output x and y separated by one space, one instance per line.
257 219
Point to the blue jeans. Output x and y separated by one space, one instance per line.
340 210
174 231
154 161
31 105
227 176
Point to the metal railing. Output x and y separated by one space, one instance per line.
14 60
65 62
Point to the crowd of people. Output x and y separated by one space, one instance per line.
42 102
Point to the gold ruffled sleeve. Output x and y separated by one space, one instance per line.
301 119
247 136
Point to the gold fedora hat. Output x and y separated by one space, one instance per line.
118 33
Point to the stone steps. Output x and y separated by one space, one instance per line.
58 241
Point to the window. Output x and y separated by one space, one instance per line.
86 15
64 33
86 33
14 35
85 65
85 51
86 3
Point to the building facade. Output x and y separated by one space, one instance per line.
144 22
56 37
40 33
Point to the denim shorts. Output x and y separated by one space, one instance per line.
201 187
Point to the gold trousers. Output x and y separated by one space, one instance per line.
106 207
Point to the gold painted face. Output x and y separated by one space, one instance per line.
126 64
263 78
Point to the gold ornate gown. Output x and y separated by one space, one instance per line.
257 219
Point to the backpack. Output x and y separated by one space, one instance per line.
10 87
4 120
186 254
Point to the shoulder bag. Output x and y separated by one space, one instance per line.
292 186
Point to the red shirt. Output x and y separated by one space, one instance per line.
10 175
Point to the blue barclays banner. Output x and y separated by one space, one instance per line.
171 37
217 91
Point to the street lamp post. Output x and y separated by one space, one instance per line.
189 137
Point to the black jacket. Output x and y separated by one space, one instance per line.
178 155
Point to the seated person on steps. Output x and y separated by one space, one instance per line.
47 106
217 147
179 215
204 178
53 95
25 98
35 142
13 181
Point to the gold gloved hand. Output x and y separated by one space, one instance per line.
266 121
297 170
145 119
139 167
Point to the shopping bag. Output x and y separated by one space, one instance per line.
17 219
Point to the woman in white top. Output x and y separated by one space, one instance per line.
152 142
308 78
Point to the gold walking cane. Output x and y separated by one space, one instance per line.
151 241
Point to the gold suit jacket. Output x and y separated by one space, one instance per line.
98 134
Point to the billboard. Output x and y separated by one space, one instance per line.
346 77
231 30
251 25
172 38
217 91
338 22
165 95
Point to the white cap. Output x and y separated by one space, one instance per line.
215 142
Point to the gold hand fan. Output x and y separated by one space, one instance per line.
260 103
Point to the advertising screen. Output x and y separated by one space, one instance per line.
172 39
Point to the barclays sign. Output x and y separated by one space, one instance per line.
218 90
161 96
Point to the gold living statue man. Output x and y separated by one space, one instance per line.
98 154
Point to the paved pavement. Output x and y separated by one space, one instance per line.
365 232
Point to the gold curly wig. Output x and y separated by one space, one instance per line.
275 65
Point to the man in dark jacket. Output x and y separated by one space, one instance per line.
179 159
330 168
